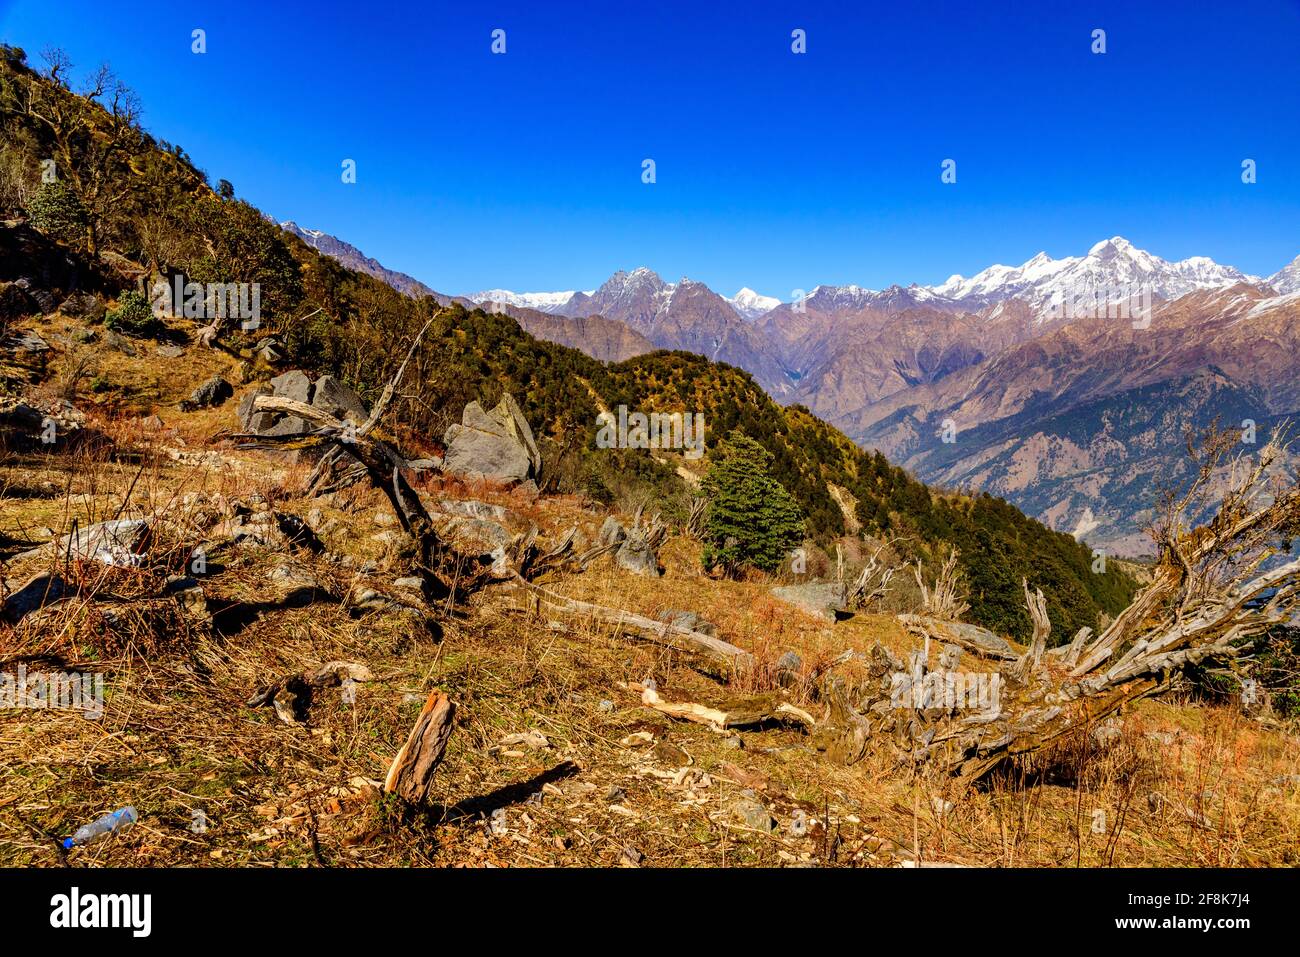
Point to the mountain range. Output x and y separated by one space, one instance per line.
1076 417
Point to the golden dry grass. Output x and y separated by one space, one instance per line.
177 738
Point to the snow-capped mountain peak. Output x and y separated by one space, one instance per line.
1112 265
752 305
550 302
1287 279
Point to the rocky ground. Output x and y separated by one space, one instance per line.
254 701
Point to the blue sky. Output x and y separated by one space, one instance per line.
775 170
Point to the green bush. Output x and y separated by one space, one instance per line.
750 519
56 211
133 316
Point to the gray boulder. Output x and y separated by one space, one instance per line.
16 302
295 586
211 393
250 421
825 600
83 305
612 532
497 445
332 396
44 299
326 393
293 384
28 340
635 555
45 589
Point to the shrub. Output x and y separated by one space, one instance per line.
133 316
56 211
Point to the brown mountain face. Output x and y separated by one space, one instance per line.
849 359
606 339
688 316
354 258
1083 424
1078 423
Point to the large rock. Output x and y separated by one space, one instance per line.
27 340
248 419
83 305
44 589
823 599
326 393
496 445
45 300
293 385
612 532
213 392
332 396
635 555
16 302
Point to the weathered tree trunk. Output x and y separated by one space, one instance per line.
410 776
647 629
1207 600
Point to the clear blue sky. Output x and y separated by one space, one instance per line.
775 171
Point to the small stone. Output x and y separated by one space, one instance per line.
615 794
735 742
671 754
752 815
213 392
798 824
295 585
530 739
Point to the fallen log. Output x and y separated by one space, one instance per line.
647 629
972 638
738 713
410 776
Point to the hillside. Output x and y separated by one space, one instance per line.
335 320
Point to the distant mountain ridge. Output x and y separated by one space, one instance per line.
354 258
1075 419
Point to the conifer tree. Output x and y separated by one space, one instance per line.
751 519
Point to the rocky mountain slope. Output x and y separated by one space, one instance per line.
1287 279
1092 416
354 258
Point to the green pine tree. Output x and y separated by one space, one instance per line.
751 519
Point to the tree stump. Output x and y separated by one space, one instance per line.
411 774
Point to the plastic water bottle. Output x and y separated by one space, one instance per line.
104 826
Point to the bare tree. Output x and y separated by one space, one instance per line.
1216 588
91 133
945 599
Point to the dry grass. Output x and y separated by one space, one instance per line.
178 740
